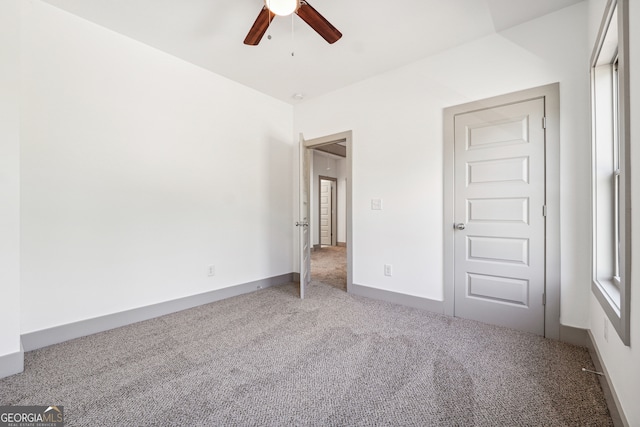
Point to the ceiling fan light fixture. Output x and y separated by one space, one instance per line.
282 7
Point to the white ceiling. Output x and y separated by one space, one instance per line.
378 35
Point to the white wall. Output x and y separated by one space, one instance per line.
138 171
9 179
336 170
405 106
622 362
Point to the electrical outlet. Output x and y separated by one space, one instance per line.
606 329
388 269
212 270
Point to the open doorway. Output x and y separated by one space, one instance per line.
328 215
339 146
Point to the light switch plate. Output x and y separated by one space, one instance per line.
376 204
388 270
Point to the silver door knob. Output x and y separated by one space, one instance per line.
460 226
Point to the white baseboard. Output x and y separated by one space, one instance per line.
398 298
615 409
58 334
11 364
575 336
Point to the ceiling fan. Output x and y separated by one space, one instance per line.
301 8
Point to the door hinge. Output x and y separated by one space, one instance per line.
544 210
544 123
544 299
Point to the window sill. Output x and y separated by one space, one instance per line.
610 290
609 297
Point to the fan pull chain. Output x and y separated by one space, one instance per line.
269 25
292 38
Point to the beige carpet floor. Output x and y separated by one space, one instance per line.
329 266
268 358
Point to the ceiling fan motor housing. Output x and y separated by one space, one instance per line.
282 7
302 8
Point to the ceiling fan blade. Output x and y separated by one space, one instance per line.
259 27
318 22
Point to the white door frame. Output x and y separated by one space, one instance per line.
347 138
551 96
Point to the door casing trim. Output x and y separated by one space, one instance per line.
551 95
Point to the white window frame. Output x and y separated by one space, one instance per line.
611 219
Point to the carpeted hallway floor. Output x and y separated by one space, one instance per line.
333 359
329 266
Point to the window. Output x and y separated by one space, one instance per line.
615 109
610 177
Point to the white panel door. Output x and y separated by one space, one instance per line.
325 212
303 223
499 243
